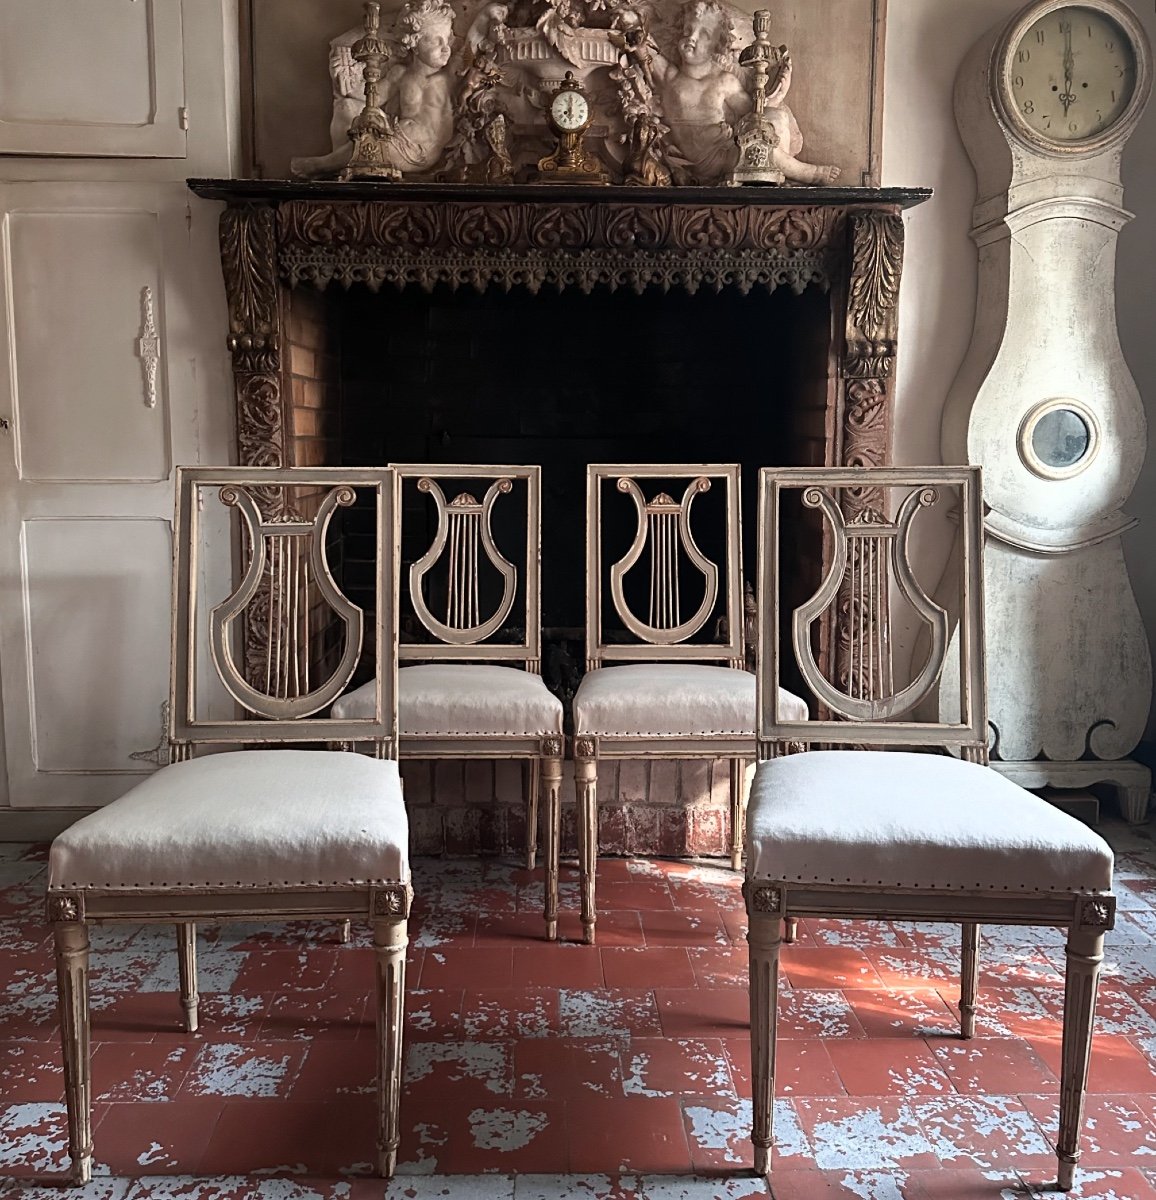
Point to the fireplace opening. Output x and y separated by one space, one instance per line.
563 379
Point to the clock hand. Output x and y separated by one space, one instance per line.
1068 99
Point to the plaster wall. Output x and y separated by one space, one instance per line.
926 41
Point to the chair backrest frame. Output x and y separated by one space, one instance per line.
287 718
664 522
459 642
867 720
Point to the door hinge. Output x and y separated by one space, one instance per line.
183 117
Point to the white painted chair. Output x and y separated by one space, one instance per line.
683 693
476 689
260 833
901 835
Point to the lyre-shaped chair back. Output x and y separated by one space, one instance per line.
868 576
463 624
663 499
286 641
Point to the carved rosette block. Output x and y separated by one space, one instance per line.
876 251
391 900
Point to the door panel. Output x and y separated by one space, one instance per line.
103 78
85 477
95 606
86 282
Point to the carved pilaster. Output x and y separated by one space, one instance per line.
249 264
876 253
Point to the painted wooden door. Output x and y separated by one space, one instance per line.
102 78
100 315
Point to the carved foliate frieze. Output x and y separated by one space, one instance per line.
249 262
561 245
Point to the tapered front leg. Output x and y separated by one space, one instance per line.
187 969
532 791
390 939
738 811
72 996
1085 953
763 941
968 978
586 785
551 770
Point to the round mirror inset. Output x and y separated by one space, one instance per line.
1059 438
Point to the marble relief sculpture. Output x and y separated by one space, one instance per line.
674 102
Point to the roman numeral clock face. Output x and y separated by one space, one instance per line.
1072 75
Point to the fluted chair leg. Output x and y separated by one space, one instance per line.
968 978
738 811
551 772
532 793
72 996
586 785
764 940
390 939
1085 954
187 968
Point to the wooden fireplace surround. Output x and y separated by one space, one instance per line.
276 235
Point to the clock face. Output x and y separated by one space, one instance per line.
569 110
1072 75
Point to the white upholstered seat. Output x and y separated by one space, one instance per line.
656 700
244 818
465 699
913 821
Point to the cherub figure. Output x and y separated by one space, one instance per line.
702 93
415 94
637 49
422 88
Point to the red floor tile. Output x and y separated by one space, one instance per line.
687 929
1117 1131
609 1012
1118 1066
160 1139
677 1067
660 967
827 967
802 1068
494 1013
704 1012
720 966
470 967
30 1071
888 1067
630 1134
561 1067
902 1013
127 1071
994 1067
810 1013
563 966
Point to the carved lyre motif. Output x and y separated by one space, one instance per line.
863 550
292 553
664 523
465 524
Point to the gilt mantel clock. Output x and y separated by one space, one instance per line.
1044 400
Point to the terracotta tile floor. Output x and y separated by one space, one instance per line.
537 1072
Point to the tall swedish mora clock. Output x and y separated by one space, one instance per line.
1044 400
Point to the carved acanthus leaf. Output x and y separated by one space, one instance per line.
249 262
877 265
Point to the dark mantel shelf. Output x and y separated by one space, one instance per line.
275 190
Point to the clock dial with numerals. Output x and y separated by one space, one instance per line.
570 110
1072 75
